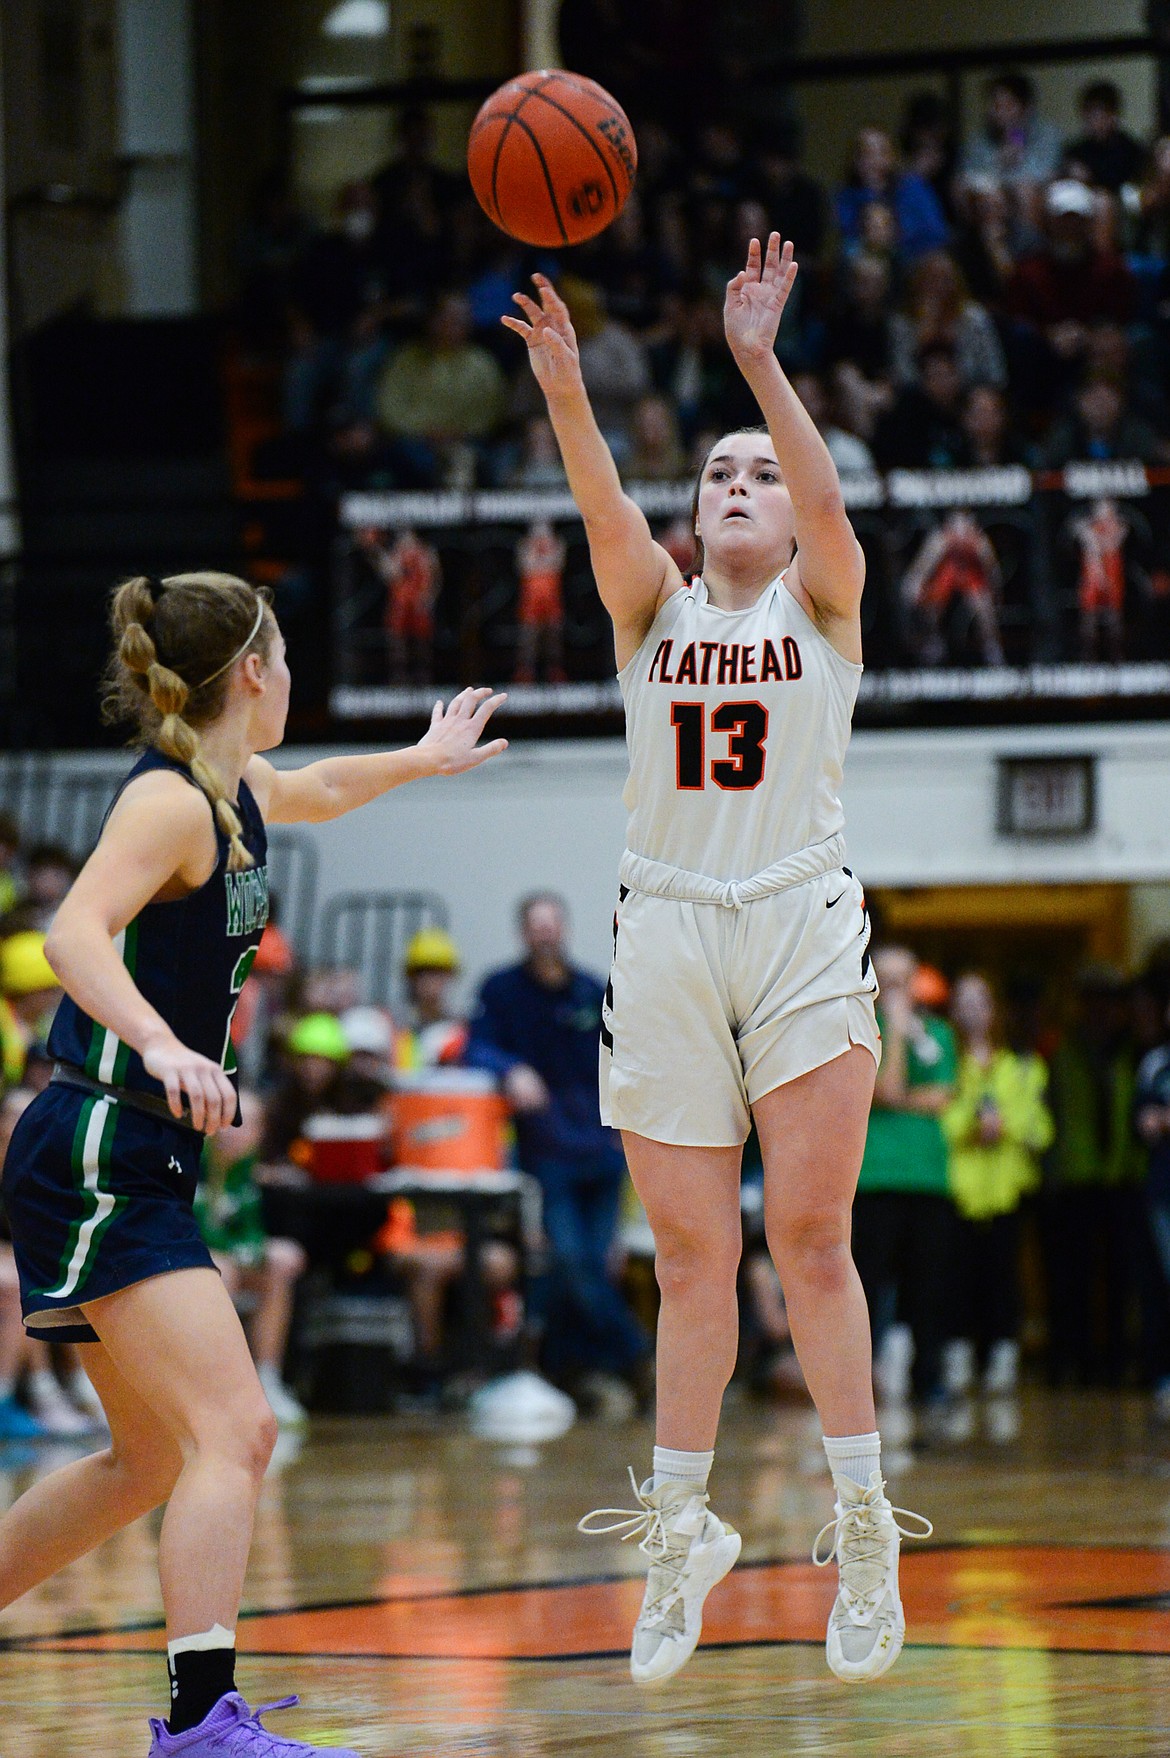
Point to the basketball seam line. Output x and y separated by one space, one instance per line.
540 92
514 116
549 185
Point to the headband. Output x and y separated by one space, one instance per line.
240 650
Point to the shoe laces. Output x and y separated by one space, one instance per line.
265 1744
667 1550
859 1537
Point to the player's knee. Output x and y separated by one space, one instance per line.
811 1249
261 1439
690 1257
243 1432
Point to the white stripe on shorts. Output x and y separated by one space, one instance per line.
103 1200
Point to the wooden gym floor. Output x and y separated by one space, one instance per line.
427 1593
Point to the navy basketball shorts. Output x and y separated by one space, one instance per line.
98 1197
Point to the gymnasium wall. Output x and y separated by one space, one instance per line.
921 807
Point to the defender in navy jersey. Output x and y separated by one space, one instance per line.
188 958
152 946
741 985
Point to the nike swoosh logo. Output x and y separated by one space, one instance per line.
834 900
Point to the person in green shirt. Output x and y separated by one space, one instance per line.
903 1218
440 395
998 1124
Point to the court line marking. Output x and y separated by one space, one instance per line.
16 1644
46 1646
50 1641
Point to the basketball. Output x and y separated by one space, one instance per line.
551 157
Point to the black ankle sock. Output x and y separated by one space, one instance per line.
199 1678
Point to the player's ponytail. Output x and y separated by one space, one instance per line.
176 642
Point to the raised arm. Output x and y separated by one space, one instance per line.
450 746
634 574
829 570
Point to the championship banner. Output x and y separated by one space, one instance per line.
989 593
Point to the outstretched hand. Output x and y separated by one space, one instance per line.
756 297
552 345
452 739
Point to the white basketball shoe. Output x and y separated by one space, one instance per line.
867 1624
689 1551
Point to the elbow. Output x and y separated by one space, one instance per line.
60 944
53 951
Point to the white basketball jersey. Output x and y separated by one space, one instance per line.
737 724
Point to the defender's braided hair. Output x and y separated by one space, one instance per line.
176 641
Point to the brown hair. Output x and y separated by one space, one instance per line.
176 641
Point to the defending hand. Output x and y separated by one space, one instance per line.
452 739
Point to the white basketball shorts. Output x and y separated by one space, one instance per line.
709 1007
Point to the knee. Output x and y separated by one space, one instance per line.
242 1432
499 1264
688 1259
259 1439
284 1260
811 1250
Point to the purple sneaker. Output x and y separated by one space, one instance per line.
232 1730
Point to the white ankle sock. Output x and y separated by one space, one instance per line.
853 1457
671 1466
216 1637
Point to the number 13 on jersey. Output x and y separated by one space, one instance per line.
746 724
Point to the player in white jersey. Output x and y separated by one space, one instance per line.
741 983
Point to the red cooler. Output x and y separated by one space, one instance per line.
345 1150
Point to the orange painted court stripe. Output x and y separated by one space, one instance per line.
998 1596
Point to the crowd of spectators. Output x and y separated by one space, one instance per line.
1012 1131
957 299
1006 1144
291 1205
1001 299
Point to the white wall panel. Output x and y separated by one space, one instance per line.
921 811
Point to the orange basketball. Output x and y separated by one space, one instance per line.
551 158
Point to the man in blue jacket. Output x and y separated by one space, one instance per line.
547 1015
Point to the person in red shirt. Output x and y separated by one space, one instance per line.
540 563
957 561
412 574
1101 535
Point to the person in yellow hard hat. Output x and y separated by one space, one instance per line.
437 1037
29 993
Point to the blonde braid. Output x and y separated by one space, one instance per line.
168 695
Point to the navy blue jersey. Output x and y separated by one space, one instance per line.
189 959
